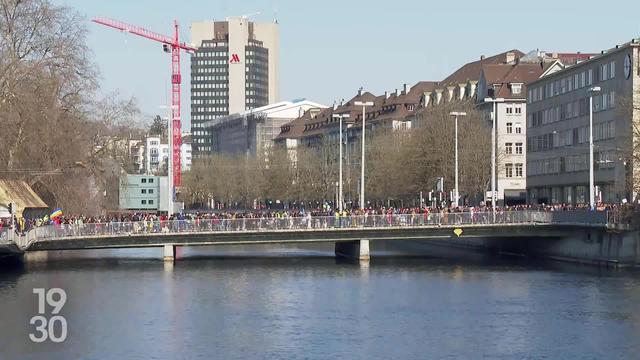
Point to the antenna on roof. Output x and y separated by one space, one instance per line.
275 14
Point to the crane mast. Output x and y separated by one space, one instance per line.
176 81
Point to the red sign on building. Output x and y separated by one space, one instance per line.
235 59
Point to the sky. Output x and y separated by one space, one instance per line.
331 48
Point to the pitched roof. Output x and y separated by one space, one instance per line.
502 75
471 71
20 193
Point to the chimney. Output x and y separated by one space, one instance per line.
481 57
395 93
386 94
407 88
511 57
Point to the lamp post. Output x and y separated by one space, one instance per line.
592 187
340 193
170 185
364 113
455 115
494 194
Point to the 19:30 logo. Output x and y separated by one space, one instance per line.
55 327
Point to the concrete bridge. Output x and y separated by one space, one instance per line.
577 236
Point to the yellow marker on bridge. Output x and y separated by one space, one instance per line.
458 232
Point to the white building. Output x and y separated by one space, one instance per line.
156 155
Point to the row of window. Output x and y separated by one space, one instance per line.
222 61
217 109
202 118
212 70
204 78
198 54
144 180
256 85
257 70
210 93
573 82
145 202
209 86
572 163
209 44
509 170
601 102
601 131
511 127
146 191
517 110
208 101
509 148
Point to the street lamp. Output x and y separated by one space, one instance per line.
455 115
170 185
340 193
493 151
592 187
364 113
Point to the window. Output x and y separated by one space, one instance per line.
144 191
519 148
604 72
150 181
508 169
612 70
518 128
518 110
518 170
509 110
508 148
143 202
150 202
151 191
509 128
516 88
144 181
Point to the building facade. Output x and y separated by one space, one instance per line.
558 129
139 192
252 132
234 69
156 154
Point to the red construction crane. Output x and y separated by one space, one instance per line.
176 80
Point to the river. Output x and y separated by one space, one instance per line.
304 304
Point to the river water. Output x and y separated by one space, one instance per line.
304 304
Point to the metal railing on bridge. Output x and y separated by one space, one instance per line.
305 223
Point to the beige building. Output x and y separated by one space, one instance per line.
234 69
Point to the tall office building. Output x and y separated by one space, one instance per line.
234 69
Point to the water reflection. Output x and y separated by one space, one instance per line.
234 304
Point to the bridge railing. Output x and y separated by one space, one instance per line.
288 223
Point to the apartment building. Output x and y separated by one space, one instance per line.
558 129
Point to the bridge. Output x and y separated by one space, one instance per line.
511 230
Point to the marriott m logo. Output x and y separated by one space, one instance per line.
235 59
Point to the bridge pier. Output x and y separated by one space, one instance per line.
357 249
169 253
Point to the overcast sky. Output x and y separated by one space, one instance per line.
331 48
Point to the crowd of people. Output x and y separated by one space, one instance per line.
22 225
